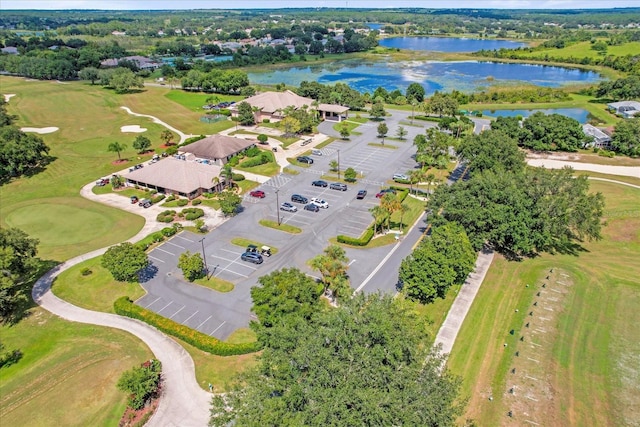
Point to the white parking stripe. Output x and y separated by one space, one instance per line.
183 309
157 259
154 301
198 327
214 331
184 238
162 250
164 307
189 318
171 243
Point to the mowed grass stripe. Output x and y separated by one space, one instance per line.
590 358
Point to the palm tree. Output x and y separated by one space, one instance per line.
403 209
378 216
430 178
116 147
390 204
415 176
227 174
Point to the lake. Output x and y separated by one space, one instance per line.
575 113
448 44
467 76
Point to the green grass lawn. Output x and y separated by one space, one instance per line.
350 125
215 283
68 374
97 291
195 100
589 354
282 227
583 50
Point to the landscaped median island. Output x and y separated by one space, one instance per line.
282 227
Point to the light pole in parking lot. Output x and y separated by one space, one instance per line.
204 257
338 165
278 206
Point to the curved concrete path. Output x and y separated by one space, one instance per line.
182 135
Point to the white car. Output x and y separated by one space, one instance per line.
319 203
400 177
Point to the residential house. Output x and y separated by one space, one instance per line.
626 109
271 105
600 138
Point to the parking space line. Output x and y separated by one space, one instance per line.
189 318
154 301
227 250
177 312
184 238
216 329
171 243
234 262
164 307
157 259
198 327
229 270
160 249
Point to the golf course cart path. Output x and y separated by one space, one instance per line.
633 171
182 135
460 307
183 402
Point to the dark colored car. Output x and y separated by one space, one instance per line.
252 248
252 257
312 207
361 194
385 191
319 183
286 206
338 186
134 200
145 203
299 199
305 159
257 193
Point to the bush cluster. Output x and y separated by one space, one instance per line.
192 213
125 307
361 241
192 140
168 231
157 199
196 202
182 202
258 160
166 216
237 177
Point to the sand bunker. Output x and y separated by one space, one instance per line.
133 128
40 130
8 96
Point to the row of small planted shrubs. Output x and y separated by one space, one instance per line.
166 216
401 192
257 160
125 307
192 140
192 213
353 241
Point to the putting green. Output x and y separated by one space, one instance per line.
62 224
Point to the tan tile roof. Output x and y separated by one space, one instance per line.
176 175
333 108
217 147
270 102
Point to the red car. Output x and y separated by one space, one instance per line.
385 191
257 193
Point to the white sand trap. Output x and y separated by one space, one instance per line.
40 130
133 128
8 96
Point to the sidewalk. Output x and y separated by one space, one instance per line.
452 324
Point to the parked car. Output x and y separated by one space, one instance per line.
252 249
319 183
316 152
305 159
145 203
252 257
102 182
400 177
338 186
257 193
299 199
306 141
361 194
311 207
134 200
140 166
385 191
319 202
286 206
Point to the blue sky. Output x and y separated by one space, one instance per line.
249 4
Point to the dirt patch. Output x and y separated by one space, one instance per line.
119 162
623 230
133 418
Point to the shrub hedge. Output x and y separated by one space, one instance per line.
157 199
182 202
361 241
237 177
192 140
166 216
125 307
196 202
192 213
168 231
257 161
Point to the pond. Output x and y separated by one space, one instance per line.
467 76
448 44
575 113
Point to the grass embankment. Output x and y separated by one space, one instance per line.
215 283
581 362
583 50
282 227
68 374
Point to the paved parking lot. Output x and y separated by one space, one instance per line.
219 314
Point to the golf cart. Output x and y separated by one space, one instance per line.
265 251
